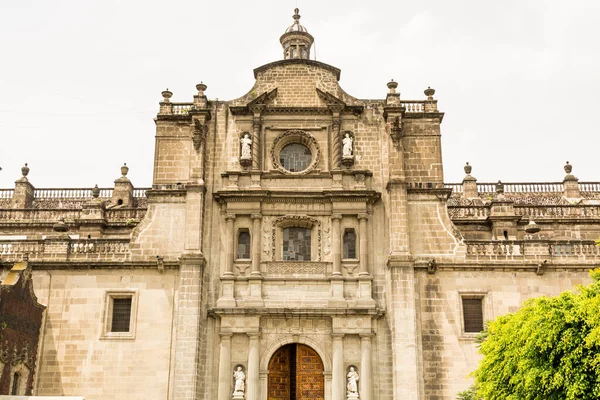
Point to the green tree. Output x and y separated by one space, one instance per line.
549 349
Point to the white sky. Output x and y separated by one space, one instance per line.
80 81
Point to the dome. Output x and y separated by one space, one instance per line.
296 27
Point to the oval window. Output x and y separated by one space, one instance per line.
295 157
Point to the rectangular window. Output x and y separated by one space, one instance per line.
472 314
120 315
296 244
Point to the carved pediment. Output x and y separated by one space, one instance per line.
257 104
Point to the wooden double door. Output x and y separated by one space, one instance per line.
296 373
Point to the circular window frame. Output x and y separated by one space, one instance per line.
299 137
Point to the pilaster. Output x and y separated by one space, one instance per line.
189 302
255 279
225 373
253 390
227 299
338 385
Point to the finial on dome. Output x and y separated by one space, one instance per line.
296 16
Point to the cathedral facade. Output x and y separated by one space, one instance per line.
296 243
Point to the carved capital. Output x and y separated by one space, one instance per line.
362 216
230 217
336 216
256 216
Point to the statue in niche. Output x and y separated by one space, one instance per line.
347 148
240 381
246 143
352 386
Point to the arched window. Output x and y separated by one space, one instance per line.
243 245
296 244
349 244
14 391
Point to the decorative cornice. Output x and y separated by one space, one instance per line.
318 64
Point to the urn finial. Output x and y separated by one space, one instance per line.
468 168
568 168
95 192
429 92
201 87
499 187
124 170
392 86
25 170
166 94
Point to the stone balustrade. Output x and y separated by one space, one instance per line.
50 216
413 106
65 249
16 249
469 212
540 212
38 215
182 108
6 193
565 250
76 193
125 214
525 187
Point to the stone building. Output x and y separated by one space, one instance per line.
297 237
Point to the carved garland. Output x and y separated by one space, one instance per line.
293 220
295 136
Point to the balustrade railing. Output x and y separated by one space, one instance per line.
568 250
589 186
99 246
468 212
413 106
182 108
526 187
6 193
74 193
563 211
53 249
506 248
32 214
20 248
125 214
574 248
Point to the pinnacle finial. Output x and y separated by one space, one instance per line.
296 16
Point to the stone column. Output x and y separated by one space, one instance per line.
254 298
363 249
337 257
337 280
225 371
337 142
229 244
338 385
366 391
228 280
253 382
256 229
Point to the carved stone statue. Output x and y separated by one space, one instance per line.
352 386
246 143
240 382
347 149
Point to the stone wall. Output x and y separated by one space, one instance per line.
77 359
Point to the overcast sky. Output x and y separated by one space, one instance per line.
80 81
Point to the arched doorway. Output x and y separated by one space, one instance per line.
296 373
